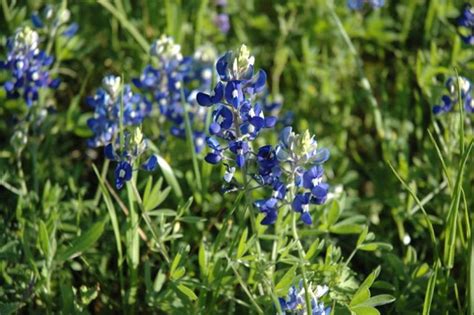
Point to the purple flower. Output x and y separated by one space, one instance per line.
466 23
123 173
28 67
221 20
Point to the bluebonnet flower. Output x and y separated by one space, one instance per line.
53 21
236 120
449 100
28 66
359 4
221 19
171 73
126 154
466 23
301 159
295 302
294 165
269 207
106 104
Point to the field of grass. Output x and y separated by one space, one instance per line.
236 157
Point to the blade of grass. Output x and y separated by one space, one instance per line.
420 204
126 24
167 172
115 226
451 230
430 290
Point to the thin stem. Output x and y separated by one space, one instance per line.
301 255
301 252
148 221
103 175
189 138
244 287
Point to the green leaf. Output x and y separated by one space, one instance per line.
187 291
333 213
365 310
43 238
421 270
241 249
350 228
178 273
315 248
370 247
378 300
430 290
281 289
361 296
156 196
363 293
175 263
203 259
159 281
146 193
362 236
112 213
83 242
169 176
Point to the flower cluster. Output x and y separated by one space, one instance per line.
221 19
173 78
107 103
295 302
464 88
359 4
237 119
292 170
28 65
466 23
126 154
294 166
54 21
116 104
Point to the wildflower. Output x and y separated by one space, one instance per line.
125 154
466 23
236 119
296 304
52 21
221 19
359 4
303 161
28 66
107 104
452 97
294 165
170 74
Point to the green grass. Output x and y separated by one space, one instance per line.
395 238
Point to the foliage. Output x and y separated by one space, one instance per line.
385 87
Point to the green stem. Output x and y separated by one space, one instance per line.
199 18
301 255
103 175
133 246
149 223
189 138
